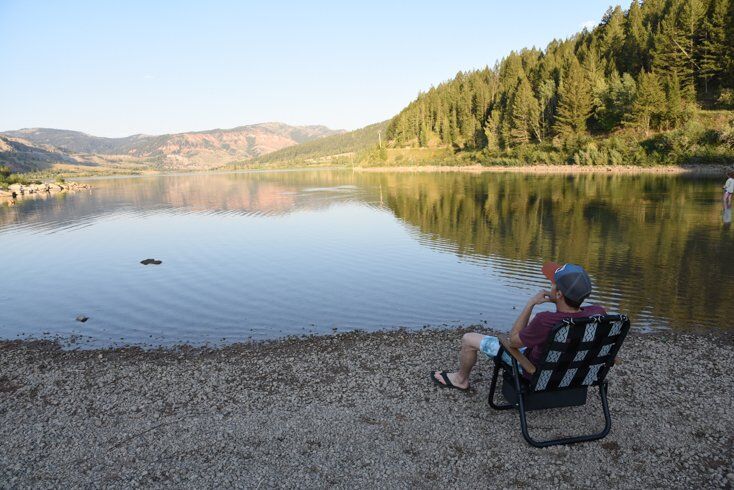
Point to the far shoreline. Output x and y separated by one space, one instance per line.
696 169
699 169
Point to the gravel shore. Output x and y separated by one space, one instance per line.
353 410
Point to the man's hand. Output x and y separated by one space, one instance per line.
542 296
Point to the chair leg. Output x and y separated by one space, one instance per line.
492 388
568 440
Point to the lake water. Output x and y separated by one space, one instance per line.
263 255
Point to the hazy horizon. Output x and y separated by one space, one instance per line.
120 70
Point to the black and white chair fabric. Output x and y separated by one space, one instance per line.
577 355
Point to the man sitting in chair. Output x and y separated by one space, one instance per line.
570 286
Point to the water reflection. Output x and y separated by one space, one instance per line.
264 254
651 242
256 193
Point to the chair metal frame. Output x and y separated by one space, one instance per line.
523 395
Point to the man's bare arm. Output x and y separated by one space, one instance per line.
522 320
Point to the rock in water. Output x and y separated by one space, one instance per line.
82 318
151 261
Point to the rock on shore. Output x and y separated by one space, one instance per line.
16 191
352 410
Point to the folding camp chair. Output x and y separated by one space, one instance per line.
578 354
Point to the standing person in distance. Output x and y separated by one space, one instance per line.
728 189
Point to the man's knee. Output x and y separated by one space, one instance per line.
472 340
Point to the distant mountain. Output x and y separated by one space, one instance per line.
75 141
22 155
201 149
330 148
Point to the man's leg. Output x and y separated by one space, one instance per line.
470 344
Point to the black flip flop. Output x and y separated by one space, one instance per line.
447 382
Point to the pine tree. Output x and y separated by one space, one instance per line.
691 17
467 123
510 72
714 52
648 104
524 114
667 55
676 46
491 131
634 54
423 135
616 101
574 102
674 105
613 33
547 105
446 131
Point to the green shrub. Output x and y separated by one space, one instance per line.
726 98
726 136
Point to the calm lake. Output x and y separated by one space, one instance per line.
262 255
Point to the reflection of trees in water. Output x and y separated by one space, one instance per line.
650 240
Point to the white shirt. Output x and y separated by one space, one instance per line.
729 186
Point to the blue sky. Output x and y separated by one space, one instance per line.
118 68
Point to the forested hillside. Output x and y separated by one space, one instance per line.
334 149
653 84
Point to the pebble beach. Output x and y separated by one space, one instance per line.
352 410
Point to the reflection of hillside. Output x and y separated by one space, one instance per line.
244 193
649 238
220 195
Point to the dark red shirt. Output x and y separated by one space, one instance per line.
536 333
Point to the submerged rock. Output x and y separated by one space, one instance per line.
82 318
151 261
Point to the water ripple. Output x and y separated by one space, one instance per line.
265 255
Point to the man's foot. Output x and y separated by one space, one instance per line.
447 380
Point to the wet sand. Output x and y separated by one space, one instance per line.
353 410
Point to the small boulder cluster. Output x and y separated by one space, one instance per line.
16 191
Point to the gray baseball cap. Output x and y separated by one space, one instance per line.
571 279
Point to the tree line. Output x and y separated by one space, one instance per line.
643 70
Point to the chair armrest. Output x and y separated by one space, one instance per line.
527 366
